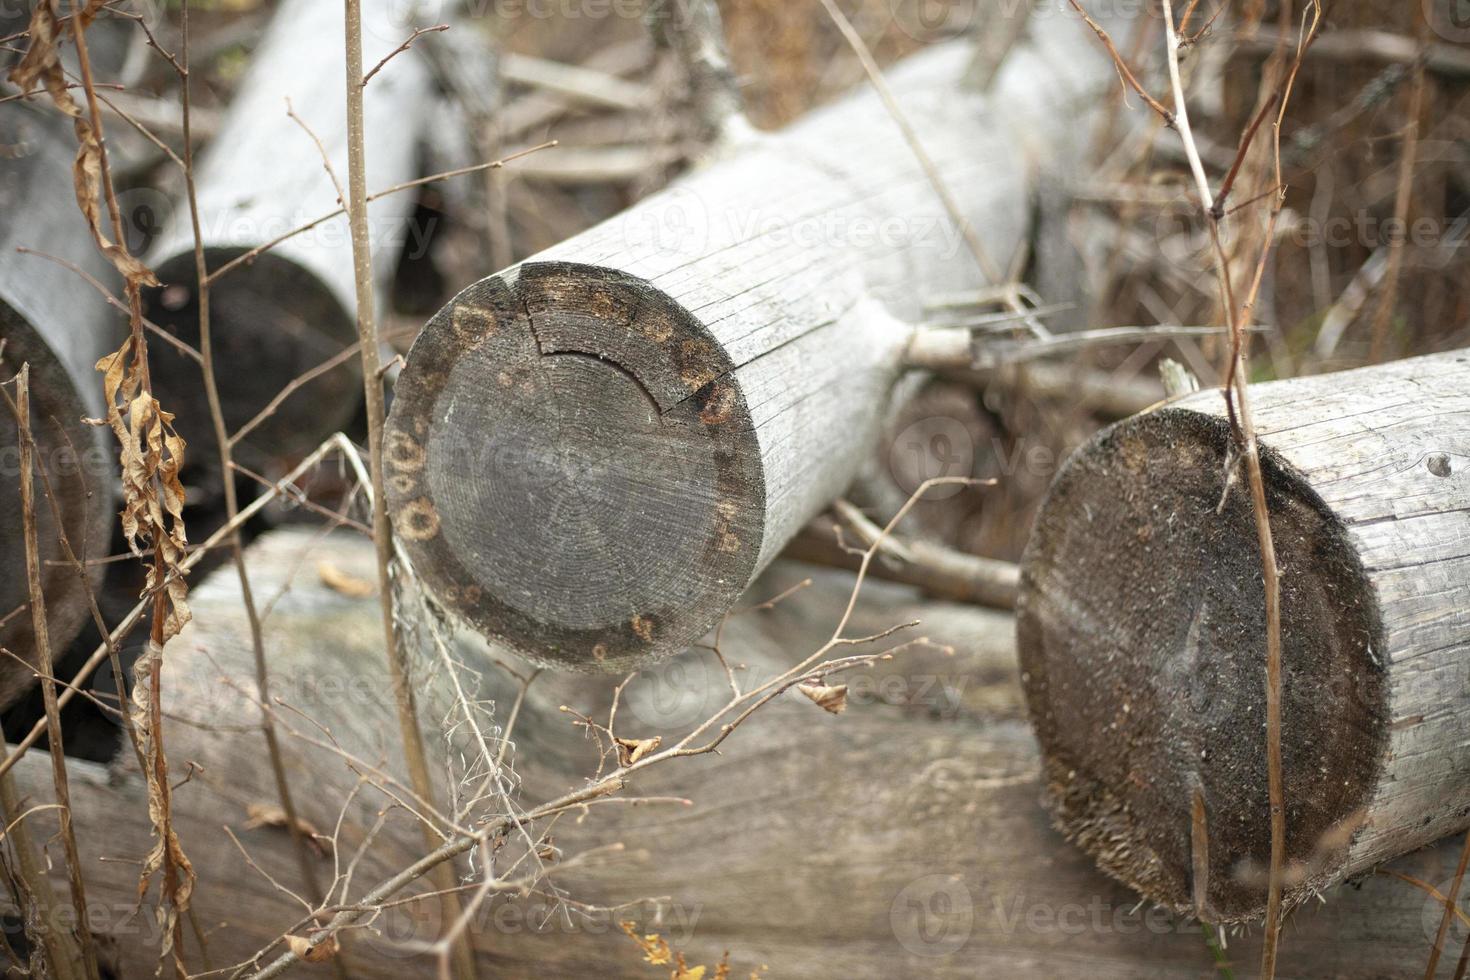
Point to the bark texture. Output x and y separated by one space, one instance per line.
594 452
1142 636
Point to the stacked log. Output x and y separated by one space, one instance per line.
54 320
593 453
1142 636
292 308
899 838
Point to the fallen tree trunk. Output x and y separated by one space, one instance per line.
1142 636
51 318
899 838
592 454
289 309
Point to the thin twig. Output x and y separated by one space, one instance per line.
418 32
42 638
367 330
855 41
224 446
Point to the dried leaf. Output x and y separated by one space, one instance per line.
151 455
339 581
271 815
318 953
41 64
630 750
829 698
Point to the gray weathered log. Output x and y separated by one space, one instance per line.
1142 637
592 454
902 838
53 319
293 307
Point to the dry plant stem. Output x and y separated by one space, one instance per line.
227 478
1245 433
1451 906
398 668
1123 70
80 564
1408 158
44 663
247 257
62 954
175 880
988 268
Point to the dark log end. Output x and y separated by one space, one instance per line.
572 469
79 467
1141 626
271 321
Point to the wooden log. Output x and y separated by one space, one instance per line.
293 307
901 838
51 318
593 453
1142 636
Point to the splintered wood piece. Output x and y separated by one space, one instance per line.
1141 626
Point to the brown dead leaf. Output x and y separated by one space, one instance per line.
309 953
630 750
339 581
830 698
271 815
41 62
151 455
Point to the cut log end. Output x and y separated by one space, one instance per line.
572 469
1141 625
271 320
71 456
